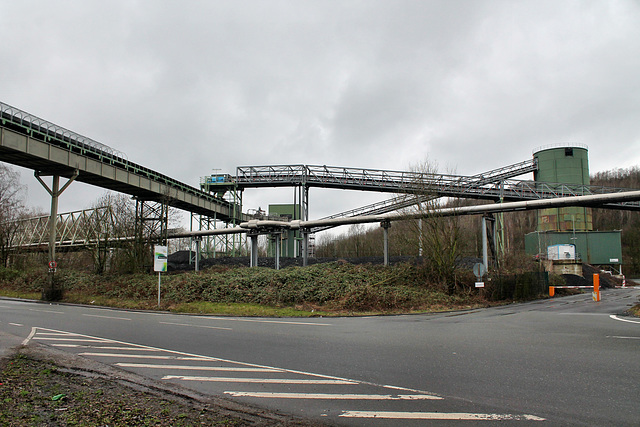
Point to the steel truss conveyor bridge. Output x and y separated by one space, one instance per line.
496 185
48 149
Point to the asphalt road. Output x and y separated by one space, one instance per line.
565 361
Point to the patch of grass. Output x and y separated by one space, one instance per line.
28 387
635 310
243 309
20 294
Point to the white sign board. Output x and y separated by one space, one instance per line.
160 258
479 284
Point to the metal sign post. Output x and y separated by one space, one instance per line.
479 270
160 264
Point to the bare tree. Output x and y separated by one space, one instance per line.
437 237
11 207
112 229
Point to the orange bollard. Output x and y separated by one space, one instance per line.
596 287
552 291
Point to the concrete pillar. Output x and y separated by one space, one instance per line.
385 235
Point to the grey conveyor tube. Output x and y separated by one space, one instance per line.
590 200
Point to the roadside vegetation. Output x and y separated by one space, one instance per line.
336 288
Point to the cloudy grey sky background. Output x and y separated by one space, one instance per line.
190 88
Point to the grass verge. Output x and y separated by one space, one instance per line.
38 392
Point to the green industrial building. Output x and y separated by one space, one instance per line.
289 239
569 164
566 165
592 247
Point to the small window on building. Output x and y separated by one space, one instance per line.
568 152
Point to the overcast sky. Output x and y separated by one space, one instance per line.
190 88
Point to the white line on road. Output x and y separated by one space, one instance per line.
46 311
70 339
614 317
196 326
195 368
457 416
141 356
16 324
257 380
106 317
623 338
103 347
286 322
329 396
217 359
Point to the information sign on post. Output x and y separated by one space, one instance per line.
160 258
160 264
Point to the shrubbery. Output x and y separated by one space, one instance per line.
337 286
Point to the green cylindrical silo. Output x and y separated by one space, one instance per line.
566 164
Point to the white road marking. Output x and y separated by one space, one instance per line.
329 396
102 347
139 356
106 317
70 339
195 368
16 324
257 380
46 311
196 326
191 356
456 416
623 338
57 334
286 322
614 317
31 335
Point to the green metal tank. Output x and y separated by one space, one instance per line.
566 164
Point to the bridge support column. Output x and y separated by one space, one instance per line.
305 247
485 252
51 292
254 250
197 240
277 247
488 240
385 237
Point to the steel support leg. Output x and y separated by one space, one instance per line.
305 247
51 293
254 250
197 239
485 252
277 255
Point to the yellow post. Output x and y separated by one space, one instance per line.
596 287
552 291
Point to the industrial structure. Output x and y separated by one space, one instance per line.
218 223
569 164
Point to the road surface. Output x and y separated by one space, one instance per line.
563 361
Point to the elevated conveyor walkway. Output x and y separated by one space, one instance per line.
30 142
